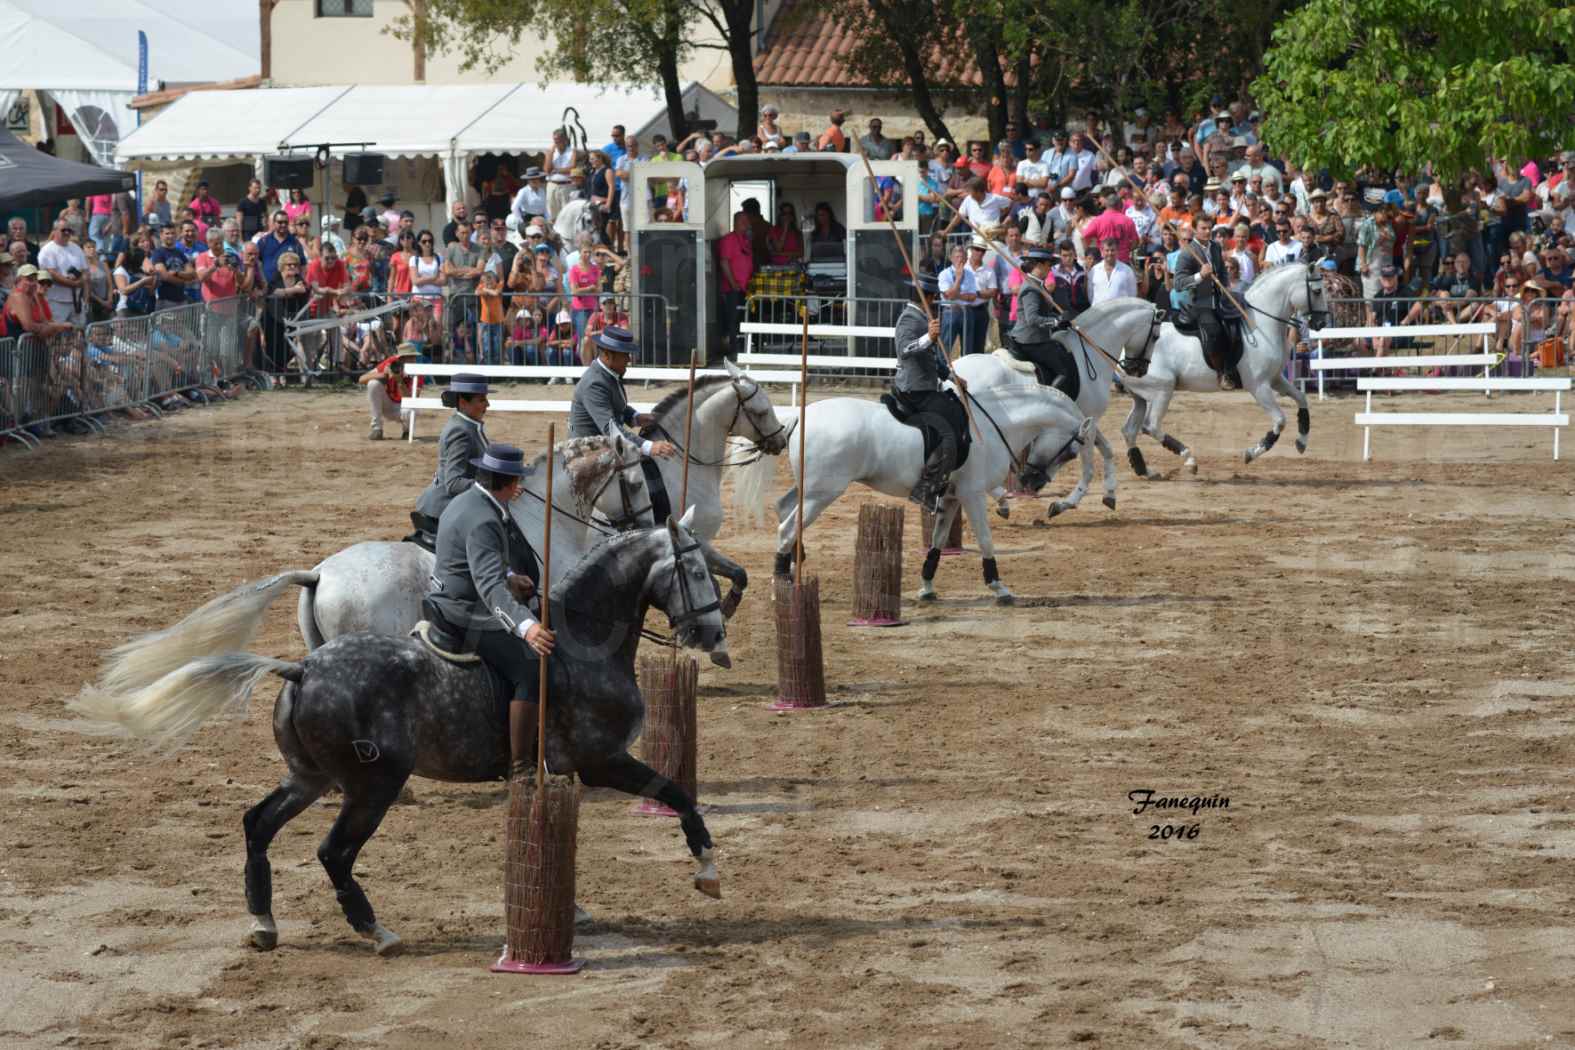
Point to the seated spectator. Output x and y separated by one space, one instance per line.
1391 308
1458 283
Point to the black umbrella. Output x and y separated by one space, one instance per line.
30 177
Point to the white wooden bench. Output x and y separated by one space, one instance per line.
1321 364
1369 419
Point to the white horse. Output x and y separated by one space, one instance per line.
1160 360
851 439
1095 369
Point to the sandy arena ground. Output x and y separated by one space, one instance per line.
1370 661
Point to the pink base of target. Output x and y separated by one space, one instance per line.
878 621
551 969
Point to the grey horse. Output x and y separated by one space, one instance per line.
366 711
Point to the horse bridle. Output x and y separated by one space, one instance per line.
1045 468
740 399
631 513
1141 358
691 611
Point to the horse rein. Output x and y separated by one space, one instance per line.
740 400
690 611
631 514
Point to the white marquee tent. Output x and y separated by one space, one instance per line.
450 122
83 55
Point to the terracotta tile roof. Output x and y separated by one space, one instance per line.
807 46
159 98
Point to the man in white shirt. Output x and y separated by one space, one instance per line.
1083 158
1036 223
977 329
1145 220
958 295
1033 174
1111 278
1062 217
1285 249
980 209
531 200
66 264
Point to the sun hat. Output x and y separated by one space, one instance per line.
45 277
564 317
502 459
407 350
534 172
1068 193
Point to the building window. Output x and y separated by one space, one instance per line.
344 8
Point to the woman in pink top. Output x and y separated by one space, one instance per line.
585 280
99 210
298 207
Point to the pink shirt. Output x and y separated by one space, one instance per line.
206 209
579 277
1111 224
221 283
100 205
738 261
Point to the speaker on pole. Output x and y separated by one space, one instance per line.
363 169
289 173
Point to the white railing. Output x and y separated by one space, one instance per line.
1369 419
1321 364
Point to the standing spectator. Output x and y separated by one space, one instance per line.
560 173
458 226
980 209
204 207
1375 243
64 262
623 172
298 207
101 213
768 129
585 278
490 318
785 241
16 230
1112 277
1002 177
503 248
615 149
191 246
251 209
1247 250
876 145
834 139
462 265
957 295
601 189
736 259
173 269
531 201
1038 223
98 295
134 277
1080 164
1113 223
1145 221
217 276
1002 268
391 215
1069 287
159 206
1284 249
287 294
276 242
399 265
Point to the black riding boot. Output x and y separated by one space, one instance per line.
523 717
930 492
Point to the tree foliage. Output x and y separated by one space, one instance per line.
639 41
1402 83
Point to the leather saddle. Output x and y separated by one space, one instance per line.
951 408
425 535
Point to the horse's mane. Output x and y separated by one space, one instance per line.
704 387
1099 311
590 568
587 461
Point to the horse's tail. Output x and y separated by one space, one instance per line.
306 614
226 624
166 711
751 484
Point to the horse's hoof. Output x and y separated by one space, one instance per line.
581 916
1006 599
263 935
1192 466
385 942
1301 446
1003 510
1249 456
927 596
1058 507
1109 501
707 881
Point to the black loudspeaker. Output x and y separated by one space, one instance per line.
363 169
289 173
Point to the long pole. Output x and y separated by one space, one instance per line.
546 621
1191 245
803 421
689 429
907 260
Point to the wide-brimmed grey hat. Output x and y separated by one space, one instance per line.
927 283
534 172
502 459
618 340
468 383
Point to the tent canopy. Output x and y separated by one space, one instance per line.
30 178
401 120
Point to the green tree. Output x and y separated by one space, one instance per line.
1403 83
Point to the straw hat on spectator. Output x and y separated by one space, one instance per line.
26 270
407 350
5 258
44 276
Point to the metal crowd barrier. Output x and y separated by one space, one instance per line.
649 317
73 377
837 311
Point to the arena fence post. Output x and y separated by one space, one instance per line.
542 835
801 669
877 567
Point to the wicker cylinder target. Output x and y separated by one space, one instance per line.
538 877
670 739
954 539
877 567
801 670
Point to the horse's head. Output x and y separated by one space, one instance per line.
1317 304
1053 446
755 404
607 477
687 592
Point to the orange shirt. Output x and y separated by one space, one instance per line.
1000 180
834 137
491 306
1179 216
